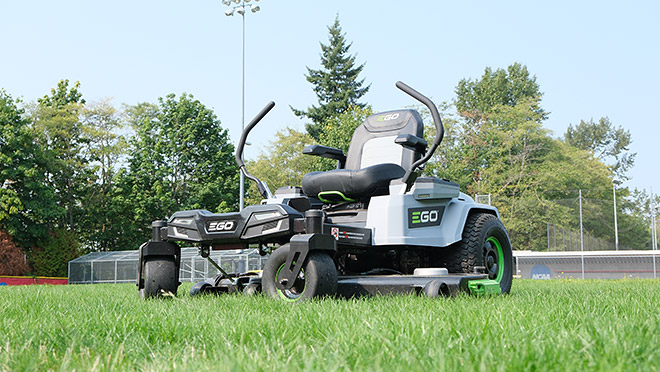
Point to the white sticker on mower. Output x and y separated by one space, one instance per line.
335 232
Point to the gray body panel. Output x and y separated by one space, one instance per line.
388 217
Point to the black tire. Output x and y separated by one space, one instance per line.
252 289
317 278
159 274
485 243
199 288
436 288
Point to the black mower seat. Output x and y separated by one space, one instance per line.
374 159
351 183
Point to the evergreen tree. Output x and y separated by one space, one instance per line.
336 84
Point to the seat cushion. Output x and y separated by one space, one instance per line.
353 183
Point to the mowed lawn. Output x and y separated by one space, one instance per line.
542 325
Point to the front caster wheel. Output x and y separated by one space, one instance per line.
160 277
199 288
317 278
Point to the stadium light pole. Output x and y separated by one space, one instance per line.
616 228
240 7
581 235
654 235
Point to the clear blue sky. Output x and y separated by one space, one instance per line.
591 58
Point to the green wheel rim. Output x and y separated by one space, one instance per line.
287 294
498 259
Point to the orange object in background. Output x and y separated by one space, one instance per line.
29 280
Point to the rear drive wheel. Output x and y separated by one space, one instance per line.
485 243
159 274
317 278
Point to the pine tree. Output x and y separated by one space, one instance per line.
336 84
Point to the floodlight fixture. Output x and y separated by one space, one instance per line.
241 7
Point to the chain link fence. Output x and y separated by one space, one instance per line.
587 265
121 266
579 223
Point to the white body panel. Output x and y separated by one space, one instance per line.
388 218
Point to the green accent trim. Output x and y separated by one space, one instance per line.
482 287
338 193
500 258
281 293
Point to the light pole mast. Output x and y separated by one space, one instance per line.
654 236
241 7
616 229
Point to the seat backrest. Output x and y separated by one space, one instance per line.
373 141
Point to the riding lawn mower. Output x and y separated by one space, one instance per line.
373 226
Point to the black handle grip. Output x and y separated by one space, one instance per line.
409 177
440 130
246 131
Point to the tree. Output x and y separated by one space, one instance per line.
51 258
105 146
474 98
26 199
61 134
497 145
338 130
12 259
336 84
605 141
180 158
281 163
62 95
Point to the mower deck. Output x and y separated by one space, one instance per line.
432 286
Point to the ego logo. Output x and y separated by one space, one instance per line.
388 117
422 217
217 226
425 216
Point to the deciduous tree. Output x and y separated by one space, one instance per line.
608 143
180 158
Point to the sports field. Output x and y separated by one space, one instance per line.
542 325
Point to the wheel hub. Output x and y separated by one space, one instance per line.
491 260
296 290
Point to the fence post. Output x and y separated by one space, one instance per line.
581 235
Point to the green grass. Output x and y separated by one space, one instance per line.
542 325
